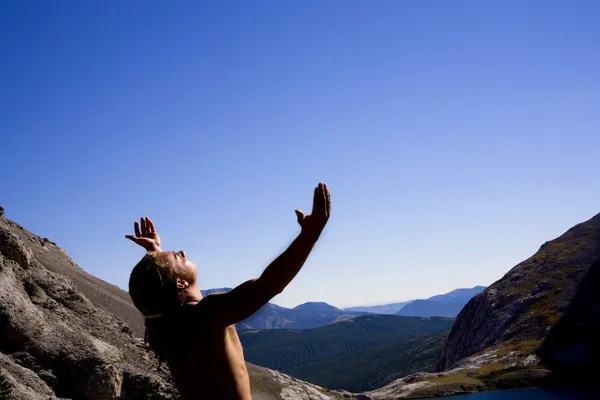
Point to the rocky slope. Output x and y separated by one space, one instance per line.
66 334
572 347
520 308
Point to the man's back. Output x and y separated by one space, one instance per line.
208 360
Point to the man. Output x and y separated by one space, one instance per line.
196 335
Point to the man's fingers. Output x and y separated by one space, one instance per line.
151 226
324 199
315 201
300 216
136 228
143 242
327 201
320 199
133 239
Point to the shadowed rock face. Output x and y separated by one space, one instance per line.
67 334
572 348
529 299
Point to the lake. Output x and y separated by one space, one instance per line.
531 394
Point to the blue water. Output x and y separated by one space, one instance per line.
532 394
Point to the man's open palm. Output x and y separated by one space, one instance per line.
147 236
316 221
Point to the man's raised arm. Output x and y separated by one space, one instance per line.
247 298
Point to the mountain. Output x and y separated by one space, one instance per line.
206 292
442 305
459 294
67 334
370 350
522 306
312 315
391 308
538 325
315 308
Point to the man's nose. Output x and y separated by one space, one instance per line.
182 253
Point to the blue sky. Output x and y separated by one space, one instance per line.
456 137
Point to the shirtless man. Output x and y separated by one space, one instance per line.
196 335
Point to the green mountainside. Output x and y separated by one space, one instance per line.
376 366
370 350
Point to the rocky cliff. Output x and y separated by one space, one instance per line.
66 334
572 347
517 311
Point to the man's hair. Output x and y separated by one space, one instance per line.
153 289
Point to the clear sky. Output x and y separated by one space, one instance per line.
455 136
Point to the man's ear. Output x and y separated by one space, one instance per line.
182 284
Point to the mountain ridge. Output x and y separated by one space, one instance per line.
388 308
442 305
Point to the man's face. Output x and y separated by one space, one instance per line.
181 262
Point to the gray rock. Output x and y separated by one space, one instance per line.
24 383
528 299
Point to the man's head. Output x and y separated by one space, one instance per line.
159 284
162 281
182 265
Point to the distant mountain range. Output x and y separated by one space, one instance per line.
391 308
443 305
315 314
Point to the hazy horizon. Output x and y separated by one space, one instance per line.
456 137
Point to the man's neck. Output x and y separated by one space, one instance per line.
192 295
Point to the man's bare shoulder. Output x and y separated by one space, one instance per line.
206 310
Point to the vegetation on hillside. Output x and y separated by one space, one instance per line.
370 350
374 367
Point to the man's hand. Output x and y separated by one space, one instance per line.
148 238
314 223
